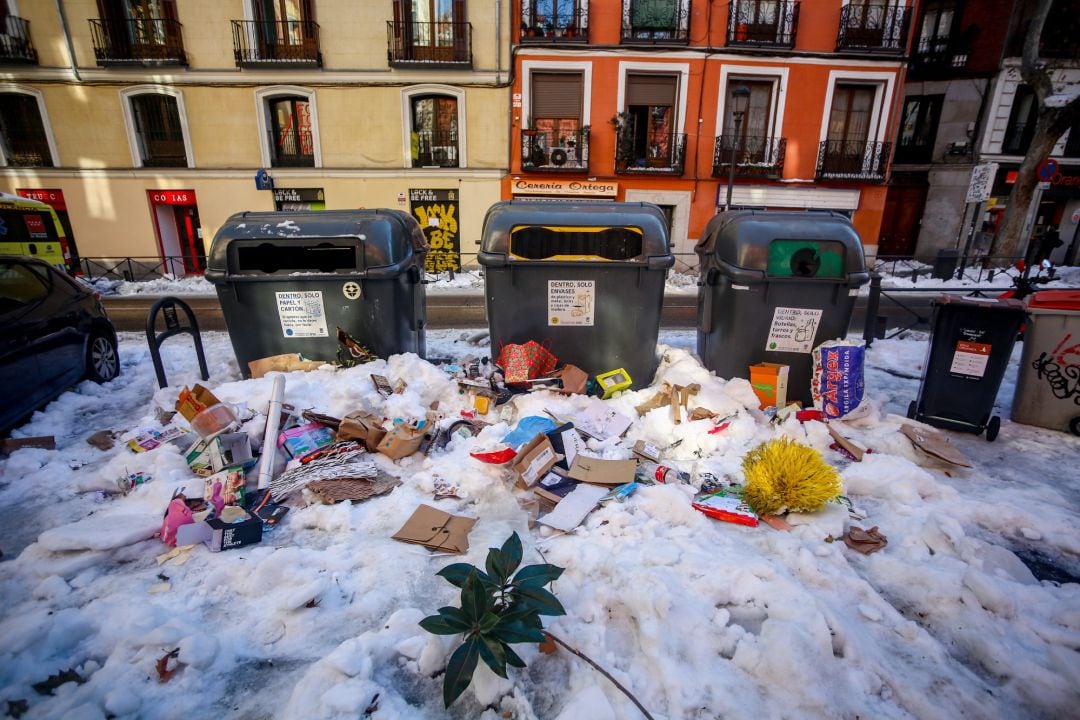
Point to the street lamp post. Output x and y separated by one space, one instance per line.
739 97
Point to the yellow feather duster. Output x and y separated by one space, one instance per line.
783 475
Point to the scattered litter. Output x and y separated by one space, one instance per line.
729 507
341 461
770 383
356 490
103 439
574 508
934 444
147 439
837 385
782 475
289 362
614 381
436 530
864 541
159 588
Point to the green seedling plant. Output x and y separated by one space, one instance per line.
498 608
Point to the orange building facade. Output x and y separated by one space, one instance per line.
657 100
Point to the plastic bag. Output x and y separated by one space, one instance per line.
838 383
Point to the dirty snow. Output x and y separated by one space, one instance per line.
972 610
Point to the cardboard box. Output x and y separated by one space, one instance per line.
603 472
231 488
770 381
402 441
191 402
436 530
207 457
362 426
647 451
934 444
534 460
220 535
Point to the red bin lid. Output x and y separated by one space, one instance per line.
1056 300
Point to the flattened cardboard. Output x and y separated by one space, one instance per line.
933 443
857 451
282 363
436 530
191 402
603 472
534 460
43 442
574 508
362 426
647 451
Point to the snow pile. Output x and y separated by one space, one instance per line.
167 285
699 618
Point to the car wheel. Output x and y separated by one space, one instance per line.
102 361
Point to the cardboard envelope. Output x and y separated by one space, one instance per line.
436 530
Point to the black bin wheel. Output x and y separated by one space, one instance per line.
992 428
1074 425
911 410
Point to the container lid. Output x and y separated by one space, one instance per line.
1055 300
317 241
976 301
529 230
784 244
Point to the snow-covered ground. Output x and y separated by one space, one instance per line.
699 618
898 276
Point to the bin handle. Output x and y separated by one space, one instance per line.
705 316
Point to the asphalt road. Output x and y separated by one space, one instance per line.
453 310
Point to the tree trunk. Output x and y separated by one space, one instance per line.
1008 242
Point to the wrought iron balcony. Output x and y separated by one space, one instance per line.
852 160
292 149
548 23
755 156
146 41
763 23
163 150
555 151
939 54
664 154
15 45
436 149
276 43
27 149
412 44
656 22
873 28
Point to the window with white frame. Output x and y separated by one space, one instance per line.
289 127
434 135
159 134
24 140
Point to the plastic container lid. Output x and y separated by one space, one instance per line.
1055 300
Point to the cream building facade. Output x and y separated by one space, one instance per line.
147 122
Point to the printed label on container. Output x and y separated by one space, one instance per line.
793 330
970 359
571 302
302 314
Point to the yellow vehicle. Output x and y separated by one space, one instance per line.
30 227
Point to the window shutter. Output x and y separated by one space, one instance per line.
650 90
556 95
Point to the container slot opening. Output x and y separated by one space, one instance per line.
270 258
805 259
536 242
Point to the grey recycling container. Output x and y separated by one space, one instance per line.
772 287
587 278
971 341
1048 383
287 281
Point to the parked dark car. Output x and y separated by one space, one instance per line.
53 333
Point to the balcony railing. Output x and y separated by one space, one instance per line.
276 43
147 41
569 26
755 156
873 28
292 149
27 149
766 23
939 54
665 154
15 45
162 150
656 23
852 160
411 44
555 151
436 149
